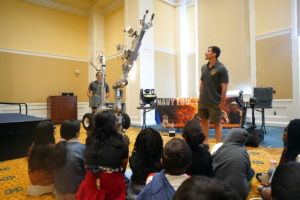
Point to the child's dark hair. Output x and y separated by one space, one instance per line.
286 181
176 156
193 134
148 148
293 139
204 188
102 137
42 147
68 130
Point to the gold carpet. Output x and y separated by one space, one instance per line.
14 178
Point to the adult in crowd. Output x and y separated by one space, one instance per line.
95 86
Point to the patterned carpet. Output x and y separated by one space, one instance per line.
14 179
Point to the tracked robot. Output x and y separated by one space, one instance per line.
262 98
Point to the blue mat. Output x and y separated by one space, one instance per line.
16 117
272 138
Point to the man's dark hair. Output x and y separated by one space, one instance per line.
204 188
176 156
69 128
216 50
286 181
193 134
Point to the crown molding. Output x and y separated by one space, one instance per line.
164 50
30 53
171 2
59 6
273 34
113 6
96 10
177 3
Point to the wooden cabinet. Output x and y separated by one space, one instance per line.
61 108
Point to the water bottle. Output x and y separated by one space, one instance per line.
172 130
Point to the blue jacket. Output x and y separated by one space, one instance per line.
68 177
159 188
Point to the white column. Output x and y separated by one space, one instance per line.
294 109
182 50
197 87
252 42
96 38
142 74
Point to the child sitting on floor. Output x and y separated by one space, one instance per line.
175 160
69 161
145 159
204 188
201 158
39 163
106 157
231 162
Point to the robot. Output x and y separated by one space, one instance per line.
262 99
98 103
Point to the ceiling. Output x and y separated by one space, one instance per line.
86 4
80 7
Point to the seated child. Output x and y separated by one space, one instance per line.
106 157
39 163
291 152
145 159
204 188
69 161
175 160
201 158
286 181
231 162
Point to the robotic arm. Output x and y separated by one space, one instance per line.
129 56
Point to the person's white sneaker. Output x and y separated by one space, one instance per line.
38 190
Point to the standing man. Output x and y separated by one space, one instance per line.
213 88
95 87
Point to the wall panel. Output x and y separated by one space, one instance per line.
25 78
29 27
274 65
165 74
226 24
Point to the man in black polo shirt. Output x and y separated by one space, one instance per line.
95 86
213 88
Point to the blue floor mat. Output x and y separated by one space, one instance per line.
272 138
